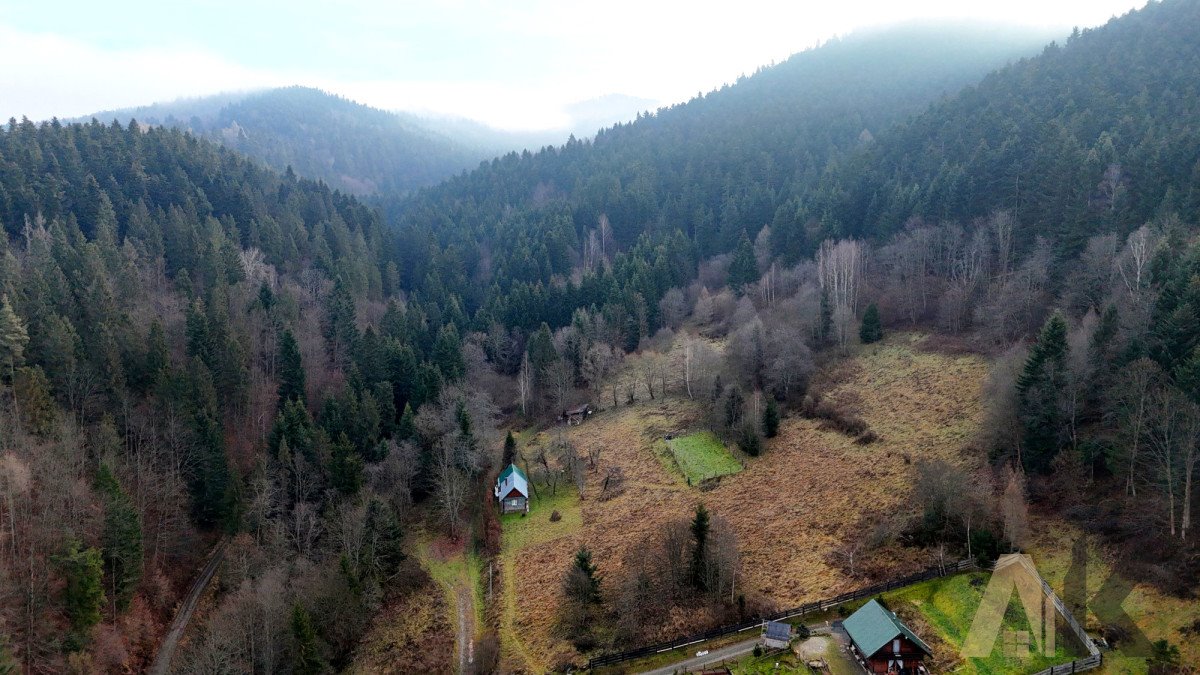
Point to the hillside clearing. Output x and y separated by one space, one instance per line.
701 456
808 493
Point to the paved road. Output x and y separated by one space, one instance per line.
162 660
714 656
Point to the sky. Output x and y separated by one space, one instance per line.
512 64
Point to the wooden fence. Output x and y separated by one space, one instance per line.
802 610
1093 659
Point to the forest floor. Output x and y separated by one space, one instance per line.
810 491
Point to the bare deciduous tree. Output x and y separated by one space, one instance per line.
840 266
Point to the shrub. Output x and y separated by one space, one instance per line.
555 516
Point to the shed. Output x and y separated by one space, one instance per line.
777 634
512 490
576 416
883 643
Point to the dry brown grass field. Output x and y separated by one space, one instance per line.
811 490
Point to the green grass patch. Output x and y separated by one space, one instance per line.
948 605
702 455
523 529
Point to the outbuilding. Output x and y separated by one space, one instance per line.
512 490
776 635
883 644
576 416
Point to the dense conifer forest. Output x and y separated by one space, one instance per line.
196 347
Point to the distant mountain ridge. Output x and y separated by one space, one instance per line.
352 147
357 148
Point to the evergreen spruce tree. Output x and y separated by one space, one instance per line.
428 385
447 354
743 267
871 330
407 427
210 482
306 649
83 596
541 350
699 567
13 337
122 539
1039 388
770 418
383 550
510 450
291 369
585 585
346 467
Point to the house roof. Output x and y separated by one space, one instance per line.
873 626
777 630
580 410
512 478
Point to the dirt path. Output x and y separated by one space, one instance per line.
465 637
166 650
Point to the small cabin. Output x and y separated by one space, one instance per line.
512 490
576 416
776 635
883 644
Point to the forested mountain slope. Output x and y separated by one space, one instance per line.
713 169
178 336
353 147
1101 132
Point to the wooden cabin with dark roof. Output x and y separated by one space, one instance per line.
883 644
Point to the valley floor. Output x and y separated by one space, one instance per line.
809 492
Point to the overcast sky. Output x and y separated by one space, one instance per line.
512 63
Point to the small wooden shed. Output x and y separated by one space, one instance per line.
576 416
776 635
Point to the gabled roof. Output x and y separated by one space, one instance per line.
512 478
777 630
509 470
872 627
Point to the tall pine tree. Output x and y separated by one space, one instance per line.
1040 388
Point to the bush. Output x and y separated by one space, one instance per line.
984 546
832 416
555 516
871 329
770 418
750 442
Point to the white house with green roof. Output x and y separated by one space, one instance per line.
512 490
883 644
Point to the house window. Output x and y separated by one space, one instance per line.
896 646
